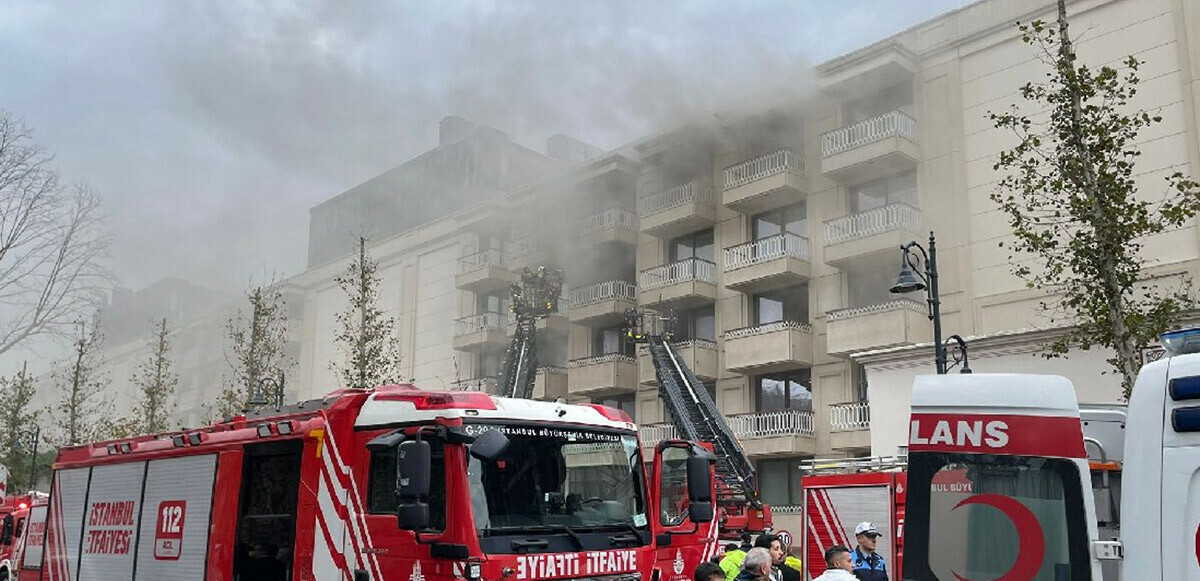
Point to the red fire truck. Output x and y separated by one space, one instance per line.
395 484
840 493
14 520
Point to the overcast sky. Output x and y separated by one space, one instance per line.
212 126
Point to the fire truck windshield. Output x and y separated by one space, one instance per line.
562 481
974 516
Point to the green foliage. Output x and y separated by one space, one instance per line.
367 337
257 350
19 427
156 382
1071 199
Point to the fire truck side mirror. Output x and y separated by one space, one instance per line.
413 467
489 446
699 480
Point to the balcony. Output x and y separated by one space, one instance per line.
870 149
891 324
606 374
850 426
767 264
550 383
873 233
765 182
700 355
777 346
611 225
775 433
677 211
482 332
780 432
486 384
484 272
529 252
684 283
603 303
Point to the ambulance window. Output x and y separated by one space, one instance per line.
985 517
381 485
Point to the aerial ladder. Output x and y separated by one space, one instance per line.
696 418
534 297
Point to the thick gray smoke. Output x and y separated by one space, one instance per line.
212 127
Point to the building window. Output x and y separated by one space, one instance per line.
625 403
858 379
487 364
866 287
792 219
698 323
779 482
895 98
787 304
900 188
611 340
784 391
694 245
489 303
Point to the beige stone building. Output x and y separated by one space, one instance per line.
772 230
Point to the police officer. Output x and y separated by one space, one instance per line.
868 565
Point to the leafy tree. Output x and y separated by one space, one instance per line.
82 413
156 383
257 349
1071 199
367 337
19 427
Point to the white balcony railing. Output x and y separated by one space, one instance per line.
774 423
677 196
890 124
652 434
765 328
871 222
597 359
878 308
552 370
606 291
761 167
766 249
524 246
686 270
850 416
480 260
485 384
698 343
481 322
610 219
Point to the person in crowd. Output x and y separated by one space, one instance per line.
868 565
775 546
839 565
731 563
708 571
756 565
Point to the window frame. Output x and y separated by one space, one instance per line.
789 378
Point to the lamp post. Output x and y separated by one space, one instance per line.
37 435
260 397
912 279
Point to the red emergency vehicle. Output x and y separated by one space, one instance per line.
395 484
14 520
840 493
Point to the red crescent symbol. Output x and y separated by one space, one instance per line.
1031 544
1198 544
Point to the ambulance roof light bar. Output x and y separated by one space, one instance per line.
1181 342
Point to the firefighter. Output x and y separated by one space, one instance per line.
731 563
868 565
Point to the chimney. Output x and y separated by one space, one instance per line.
568 149
453 128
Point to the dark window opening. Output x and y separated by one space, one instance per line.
899 188
611 340
792 219
787 304
695 245
266 529
784 391
779 481
698 323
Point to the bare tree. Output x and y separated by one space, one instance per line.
367 337
257 348
156 381
82 413
52 243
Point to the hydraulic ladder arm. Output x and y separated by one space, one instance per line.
695 416
535 297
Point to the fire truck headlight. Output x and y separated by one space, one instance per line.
474 571
264 430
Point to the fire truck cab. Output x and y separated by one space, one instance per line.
14 519
395 484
